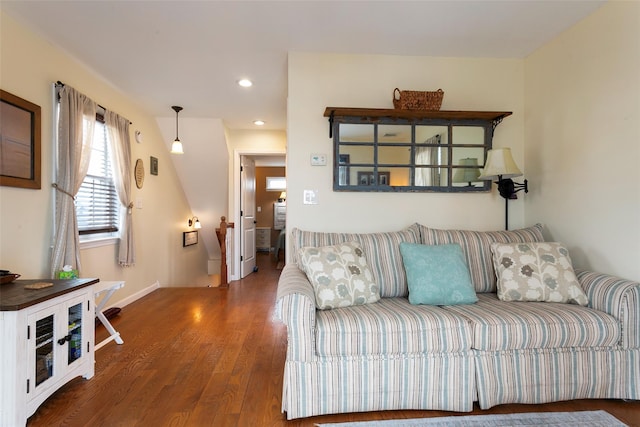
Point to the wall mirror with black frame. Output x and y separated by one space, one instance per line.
410 151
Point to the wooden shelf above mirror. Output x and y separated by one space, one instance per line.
416 114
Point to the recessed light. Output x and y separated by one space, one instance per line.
258 122
245 83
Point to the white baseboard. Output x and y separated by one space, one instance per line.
131 298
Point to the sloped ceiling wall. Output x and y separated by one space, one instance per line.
203 171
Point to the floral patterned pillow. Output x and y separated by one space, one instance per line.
536 272
340 275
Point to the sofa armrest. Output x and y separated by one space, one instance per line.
296 308
617 297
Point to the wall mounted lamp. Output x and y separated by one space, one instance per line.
176 147
500 166
195 222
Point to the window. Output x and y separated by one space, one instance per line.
97 204
276 183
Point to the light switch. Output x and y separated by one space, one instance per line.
259 209
139 203
310 197
318 159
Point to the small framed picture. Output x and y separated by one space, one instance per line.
369 179
189 238
153 167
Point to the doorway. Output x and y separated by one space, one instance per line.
255 209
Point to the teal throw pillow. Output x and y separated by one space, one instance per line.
437 274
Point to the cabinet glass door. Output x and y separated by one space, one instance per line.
44 349
75 333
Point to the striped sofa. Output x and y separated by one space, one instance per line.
394 355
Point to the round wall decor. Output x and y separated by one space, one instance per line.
139 173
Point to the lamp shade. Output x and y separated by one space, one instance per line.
469 173
283 196
176 147
499 164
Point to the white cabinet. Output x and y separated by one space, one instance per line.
45 345
263 238
279 215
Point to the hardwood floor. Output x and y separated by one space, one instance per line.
214 357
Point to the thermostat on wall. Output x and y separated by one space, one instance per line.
318 160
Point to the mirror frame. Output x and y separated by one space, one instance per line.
377 182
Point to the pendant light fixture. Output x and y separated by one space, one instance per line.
176 147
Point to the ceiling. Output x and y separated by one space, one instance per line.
192 53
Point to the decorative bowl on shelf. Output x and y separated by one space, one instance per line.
8 278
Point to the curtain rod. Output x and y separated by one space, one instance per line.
59 83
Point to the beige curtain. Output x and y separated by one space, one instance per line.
118 128
427 177
77 117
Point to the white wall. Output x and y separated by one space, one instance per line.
583 139
28 69
317 81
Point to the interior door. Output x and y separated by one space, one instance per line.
248 216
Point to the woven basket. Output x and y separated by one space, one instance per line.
417 100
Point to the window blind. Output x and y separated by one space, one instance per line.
97 204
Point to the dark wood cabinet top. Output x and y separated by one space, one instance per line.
14 297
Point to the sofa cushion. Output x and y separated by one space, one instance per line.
382 250
392 326
437 274
340 275
476 246
536 272
500 325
